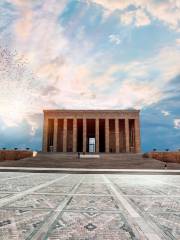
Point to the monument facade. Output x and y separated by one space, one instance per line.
94 131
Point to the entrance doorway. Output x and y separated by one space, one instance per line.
92 145
90 134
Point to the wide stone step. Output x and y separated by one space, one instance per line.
106 161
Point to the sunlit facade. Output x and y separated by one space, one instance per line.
106 131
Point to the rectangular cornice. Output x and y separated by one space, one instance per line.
89 111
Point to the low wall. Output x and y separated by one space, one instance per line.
14 154
165 156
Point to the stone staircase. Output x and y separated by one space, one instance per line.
106 161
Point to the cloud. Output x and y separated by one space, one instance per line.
167 12
24 25
69 62
165 113
178 41
40 44
34 121
137 17
143 83
114 38
135 94
141 18
177 123
63 74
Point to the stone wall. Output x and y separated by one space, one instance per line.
165 156
14 154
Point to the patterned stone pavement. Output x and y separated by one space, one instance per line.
89 206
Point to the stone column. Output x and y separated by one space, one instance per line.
74 135
137 136
55 135
107 134
65 136
84 134
97 135
117 134
45 134
127 134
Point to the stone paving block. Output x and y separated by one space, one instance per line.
37 201
96 188
89 207
14 188
92 203
101 226
2 195
93 179
170 190
18 224
169 223
156 203
55 189
139 190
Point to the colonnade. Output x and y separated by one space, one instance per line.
50 139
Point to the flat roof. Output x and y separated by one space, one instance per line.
90 110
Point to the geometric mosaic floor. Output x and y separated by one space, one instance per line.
89 206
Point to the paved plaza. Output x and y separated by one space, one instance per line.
89 206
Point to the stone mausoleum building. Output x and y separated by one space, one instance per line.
100 131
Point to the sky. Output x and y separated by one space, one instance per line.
89 54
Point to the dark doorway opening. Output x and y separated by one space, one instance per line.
112 137
50 135
80 135
90 134
101 135
131 135
122 139
60 135
69 135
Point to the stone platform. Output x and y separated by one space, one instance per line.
106 161
80 206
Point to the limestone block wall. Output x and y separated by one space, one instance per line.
165 156
14 154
